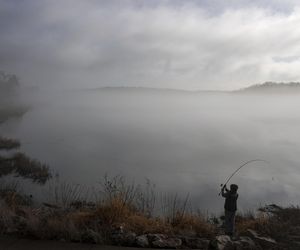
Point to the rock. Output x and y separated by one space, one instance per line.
264 242
195 242
156 237
117 235
90 236
124 238
245 243
142 241
167 243
272 209
163 241
129 239
222 242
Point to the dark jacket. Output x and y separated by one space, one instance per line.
230 200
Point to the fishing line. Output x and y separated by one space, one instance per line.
244 164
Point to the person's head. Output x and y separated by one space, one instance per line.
233 188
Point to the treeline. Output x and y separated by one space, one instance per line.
272 86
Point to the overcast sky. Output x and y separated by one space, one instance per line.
205 44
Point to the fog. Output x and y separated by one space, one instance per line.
207 44
184 142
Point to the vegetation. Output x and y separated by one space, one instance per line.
118 206
273 87
117 209
281 224
21 165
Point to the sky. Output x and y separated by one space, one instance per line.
193 45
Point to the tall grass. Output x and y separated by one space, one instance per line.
146 198
119 204
63 194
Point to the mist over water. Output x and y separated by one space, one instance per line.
183 142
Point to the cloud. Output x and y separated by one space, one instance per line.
163 44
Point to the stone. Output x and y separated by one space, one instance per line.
156 237
90 236
246 243
222 242
117 235
264 242
123 238
195 242
129 239
167 243
142 241
271 208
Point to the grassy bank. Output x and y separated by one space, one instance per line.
126 209
119 206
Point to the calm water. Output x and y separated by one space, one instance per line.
184 143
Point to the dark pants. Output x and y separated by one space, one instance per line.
229 222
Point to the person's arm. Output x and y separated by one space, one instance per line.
224 191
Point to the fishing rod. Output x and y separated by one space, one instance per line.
244 164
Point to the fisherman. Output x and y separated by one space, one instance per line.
230 206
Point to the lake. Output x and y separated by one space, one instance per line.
183 142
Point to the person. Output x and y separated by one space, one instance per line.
230 207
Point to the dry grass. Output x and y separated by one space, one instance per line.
81 218
6 215
12 196
194 223
121 205
114 211
281 224
64 194
142 225
257 223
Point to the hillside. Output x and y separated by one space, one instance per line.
272 87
